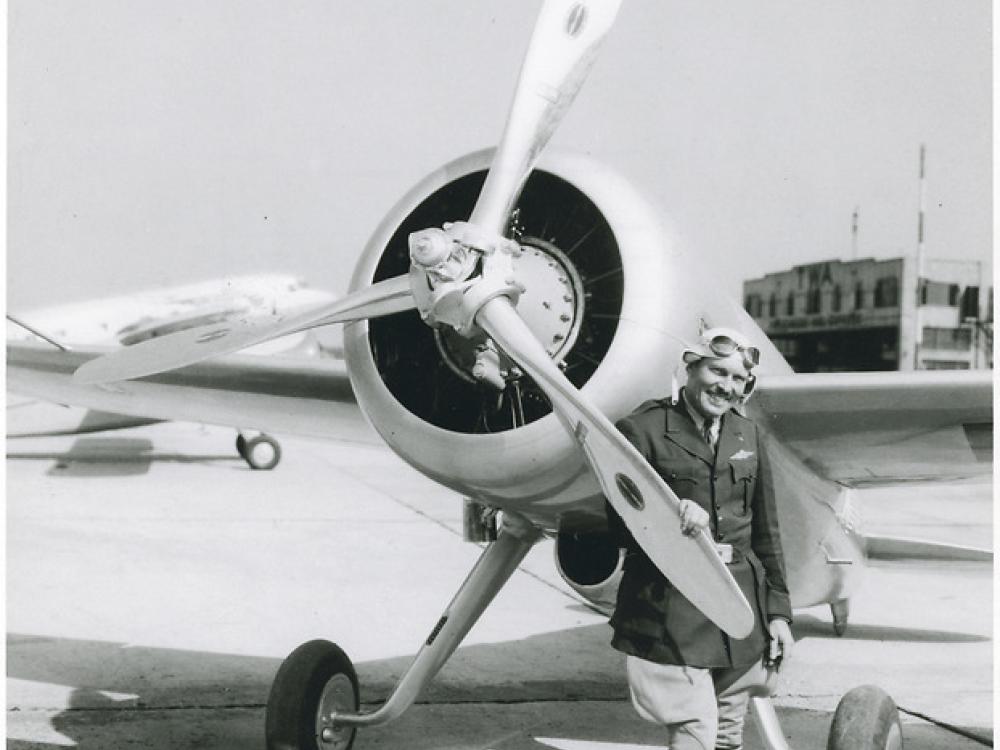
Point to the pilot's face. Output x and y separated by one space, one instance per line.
715 385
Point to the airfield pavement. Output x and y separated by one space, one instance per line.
155 583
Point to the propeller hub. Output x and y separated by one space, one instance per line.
551 305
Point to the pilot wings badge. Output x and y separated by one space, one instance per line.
741 455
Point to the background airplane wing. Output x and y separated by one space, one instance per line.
883 427
295 395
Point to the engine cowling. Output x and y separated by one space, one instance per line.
591 563
599 293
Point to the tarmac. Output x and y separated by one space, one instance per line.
155 583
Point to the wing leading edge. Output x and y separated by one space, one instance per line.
874 428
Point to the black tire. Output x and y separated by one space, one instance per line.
866 719
314 672
254 461
241 446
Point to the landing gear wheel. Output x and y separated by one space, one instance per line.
315 680
866 719
241 446
262 453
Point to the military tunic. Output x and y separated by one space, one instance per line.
654 621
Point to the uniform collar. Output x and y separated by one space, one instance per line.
682 429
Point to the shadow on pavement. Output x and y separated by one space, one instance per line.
103 457
807 626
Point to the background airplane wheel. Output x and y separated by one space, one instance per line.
241 446
316 679
261 453
866 719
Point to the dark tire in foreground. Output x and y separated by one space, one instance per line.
316 679
866 719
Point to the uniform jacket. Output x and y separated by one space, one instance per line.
654 621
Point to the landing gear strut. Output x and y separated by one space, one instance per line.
261 453
313 703
841 610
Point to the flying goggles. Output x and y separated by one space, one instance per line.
722 342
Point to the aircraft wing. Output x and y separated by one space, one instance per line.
294 395
43 419
874 428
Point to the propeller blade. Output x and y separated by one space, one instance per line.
562 49
197 344
645 503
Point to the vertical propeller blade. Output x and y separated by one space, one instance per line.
561 51
645 503
197 344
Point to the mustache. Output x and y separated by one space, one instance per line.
721 392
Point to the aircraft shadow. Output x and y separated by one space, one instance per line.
808 626
567 684
104 457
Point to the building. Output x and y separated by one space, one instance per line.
870 314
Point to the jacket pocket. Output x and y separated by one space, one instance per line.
683 483
744 474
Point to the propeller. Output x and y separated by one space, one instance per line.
449 286
562 50
203 342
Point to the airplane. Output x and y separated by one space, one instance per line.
507 310
128 319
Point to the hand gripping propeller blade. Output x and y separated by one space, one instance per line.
197 344
645 503
562 49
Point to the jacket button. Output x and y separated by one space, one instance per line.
722 537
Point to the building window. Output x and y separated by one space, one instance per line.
772 305
836 299
790 304
813 301
938 293
944 364
887 292
859 296
954 339
970 303
754 305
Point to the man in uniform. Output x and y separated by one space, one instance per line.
683 671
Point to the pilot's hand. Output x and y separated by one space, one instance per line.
694 518
781 642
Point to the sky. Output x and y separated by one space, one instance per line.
154 143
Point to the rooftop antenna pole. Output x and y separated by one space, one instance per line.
854 234
920 255
920 218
